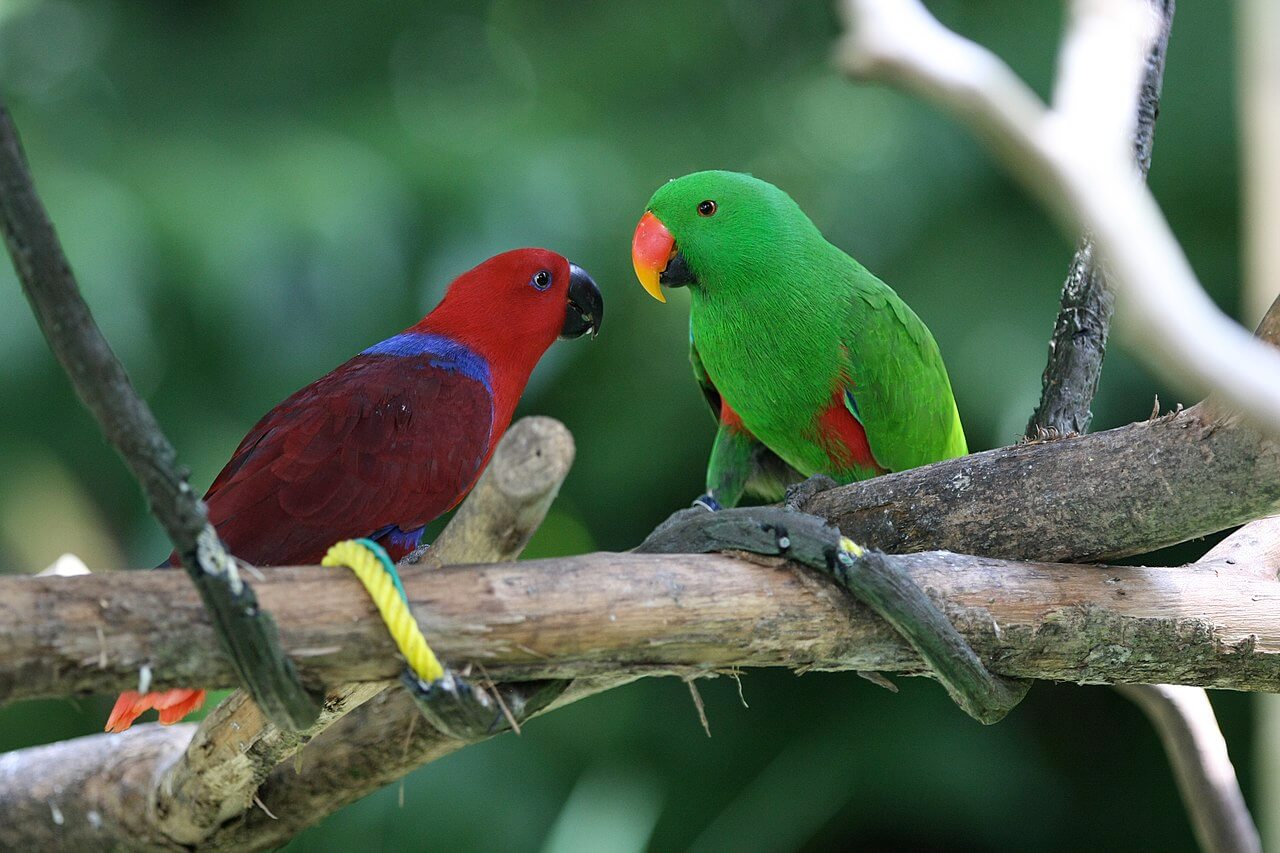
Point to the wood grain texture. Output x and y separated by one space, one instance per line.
620 616
1213 624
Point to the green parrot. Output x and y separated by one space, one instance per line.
811 364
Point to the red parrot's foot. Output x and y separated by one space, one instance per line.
173 705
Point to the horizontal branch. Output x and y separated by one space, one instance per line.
1213 625
621 615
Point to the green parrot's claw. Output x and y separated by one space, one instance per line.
799 494
465 711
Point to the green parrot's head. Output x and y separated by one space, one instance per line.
725 227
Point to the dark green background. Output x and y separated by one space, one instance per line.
252 192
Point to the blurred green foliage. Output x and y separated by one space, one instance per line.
252 192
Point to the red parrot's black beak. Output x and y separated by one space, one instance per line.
585 311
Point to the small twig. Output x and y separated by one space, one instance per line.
698 704
245 631
736 675
492 687
258 802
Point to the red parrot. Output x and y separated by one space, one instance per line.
394 437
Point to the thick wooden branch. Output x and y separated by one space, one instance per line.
1206 778
1124 491
1098 497
1212 624
246 630
1183 716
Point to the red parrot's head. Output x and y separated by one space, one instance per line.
514 305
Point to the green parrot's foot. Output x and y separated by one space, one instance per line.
799 494
878 580
466 711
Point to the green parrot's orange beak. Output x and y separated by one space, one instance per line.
651 251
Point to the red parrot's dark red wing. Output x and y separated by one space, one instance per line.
383 440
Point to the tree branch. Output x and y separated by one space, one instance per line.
1130 490
1075 165
1079 341
1097 497
1211 624
1183 716
246 631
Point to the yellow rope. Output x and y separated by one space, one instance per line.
377 573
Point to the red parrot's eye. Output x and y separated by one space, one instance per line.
541 280
706 208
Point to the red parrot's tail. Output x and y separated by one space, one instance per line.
173 705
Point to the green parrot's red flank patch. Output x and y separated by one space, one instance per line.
843 438
729 418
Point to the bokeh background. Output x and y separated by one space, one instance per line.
252 192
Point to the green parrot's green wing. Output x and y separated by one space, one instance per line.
898 388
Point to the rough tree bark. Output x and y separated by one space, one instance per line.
1079 341
1089 496
1213 623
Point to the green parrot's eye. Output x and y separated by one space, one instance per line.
541 280
706 208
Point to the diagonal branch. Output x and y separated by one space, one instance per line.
1183 716
1072 168
246 631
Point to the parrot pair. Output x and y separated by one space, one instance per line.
394 437
810 363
